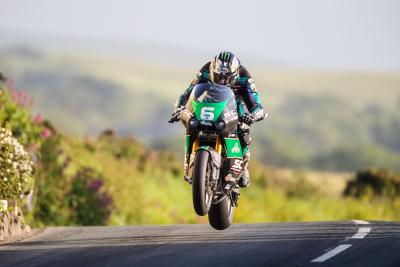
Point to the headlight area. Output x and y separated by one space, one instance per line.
220 125
203 125
192 123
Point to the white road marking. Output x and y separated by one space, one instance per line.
362 232
360 222
331 253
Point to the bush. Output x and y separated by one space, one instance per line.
88 199
126 148
67 193
51 185
301 187
14 115
15 167
374 183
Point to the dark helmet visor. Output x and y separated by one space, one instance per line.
223 79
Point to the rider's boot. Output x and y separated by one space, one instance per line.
229 183
244 180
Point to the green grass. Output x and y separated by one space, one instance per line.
272 205
149 189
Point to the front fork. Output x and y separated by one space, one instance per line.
194 147
232 164
218 144
234 156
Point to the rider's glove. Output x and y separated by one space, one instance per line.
259 114
248 118
175 115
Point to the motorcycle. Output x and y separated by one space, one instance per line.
216 158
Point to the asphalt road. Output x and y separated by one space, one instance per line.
348 243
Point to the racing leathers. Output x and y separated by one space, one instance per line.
249 110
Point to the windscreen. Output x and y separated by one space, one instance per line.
212 93
208 101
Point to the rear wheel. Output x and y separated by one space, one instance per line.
202 195
220 215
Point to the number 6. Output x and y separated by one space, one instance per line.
207 113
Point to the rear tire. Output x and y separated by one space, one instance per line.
220 215
201 198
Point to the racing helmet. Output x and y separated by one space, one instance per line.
224 68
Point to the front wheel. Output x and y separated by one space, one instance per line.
202 196
221 214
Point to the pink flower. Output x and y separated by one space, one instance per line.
38 119
106 199
19 97
96 184
46 133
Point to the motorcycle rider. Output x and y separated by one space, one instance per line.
225 69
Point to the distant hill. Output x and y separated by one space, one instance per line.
315 117
86 94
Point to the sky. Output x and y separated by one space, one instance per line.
317 34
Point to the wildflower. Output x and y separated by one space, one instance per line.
96 184
15 167
20 98
38 119
46 133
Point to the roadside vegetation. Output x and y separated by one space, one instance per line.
111 180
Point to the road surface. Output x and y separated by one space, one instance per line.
347 243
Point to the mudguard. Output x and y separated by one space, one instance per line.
215 158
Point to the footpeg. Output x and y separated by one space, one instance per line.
187 179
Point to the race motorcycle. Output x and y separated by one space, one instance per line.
216 158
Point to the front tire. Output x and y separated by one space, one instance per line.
202 198
221 214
